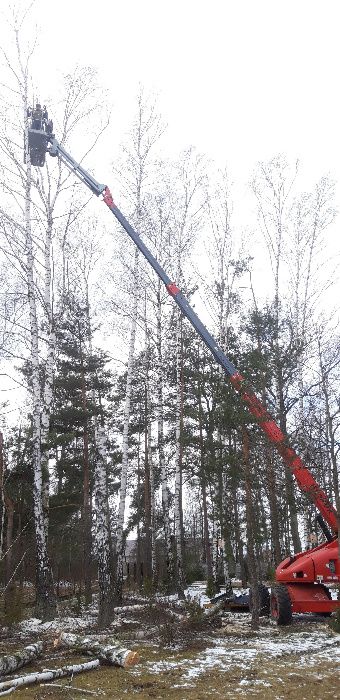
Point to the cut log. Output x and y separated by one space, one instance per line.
113 653
12 662
7 686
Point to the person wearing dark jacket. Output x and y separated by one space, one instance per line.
49 127
37 117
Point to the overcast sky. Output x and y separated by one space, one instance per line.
242 80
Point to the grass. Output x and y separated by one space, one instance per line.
292 675
268 680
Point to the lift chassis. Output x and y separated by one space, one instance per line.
301 580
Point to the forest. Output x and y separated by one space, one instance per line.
128 463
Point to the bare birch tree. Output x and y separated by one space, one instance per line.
272 186
35 201
145 132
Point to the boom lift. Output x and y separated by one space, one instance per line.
301 580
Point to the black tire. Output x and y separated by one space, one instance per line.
280 605
264 600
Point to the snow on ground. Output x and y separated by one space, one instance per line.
235 653
241 652
62 624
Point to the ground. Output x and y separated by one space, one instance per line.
192 658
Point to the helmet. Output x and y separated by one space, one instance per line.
38 106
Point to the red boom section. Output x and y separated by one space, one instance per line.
303 476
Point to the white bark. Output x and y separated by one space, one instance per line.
126 421
49 369
225 507
112 653
45 595
11 662
149 456
178 472
105 578
161 454
8 686
215 552
152 492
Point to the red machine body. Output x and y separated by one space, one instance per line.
306 576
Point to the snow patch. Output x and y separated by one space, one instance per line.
241 653
63 624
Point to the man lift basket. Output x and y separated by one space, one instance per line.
38 134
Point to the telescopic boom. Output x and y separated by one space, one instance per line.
302 474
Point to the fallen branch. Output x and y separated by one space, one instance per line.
12 662
8 686
112 653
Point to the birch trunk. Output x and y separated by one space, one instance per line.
87 511
147 495
215 549
7 686
202 476
151 538
125 444
180 579
105 576
49 370
227 553
102 511
250 520
113 653
45 596
152 507
11 662
139 548
161 453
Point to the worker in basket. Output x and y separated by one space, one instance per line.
37 117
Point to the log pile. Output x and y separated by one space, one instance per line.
112 654
7 687
107 650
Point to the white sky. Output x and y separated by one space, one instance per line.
242 80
